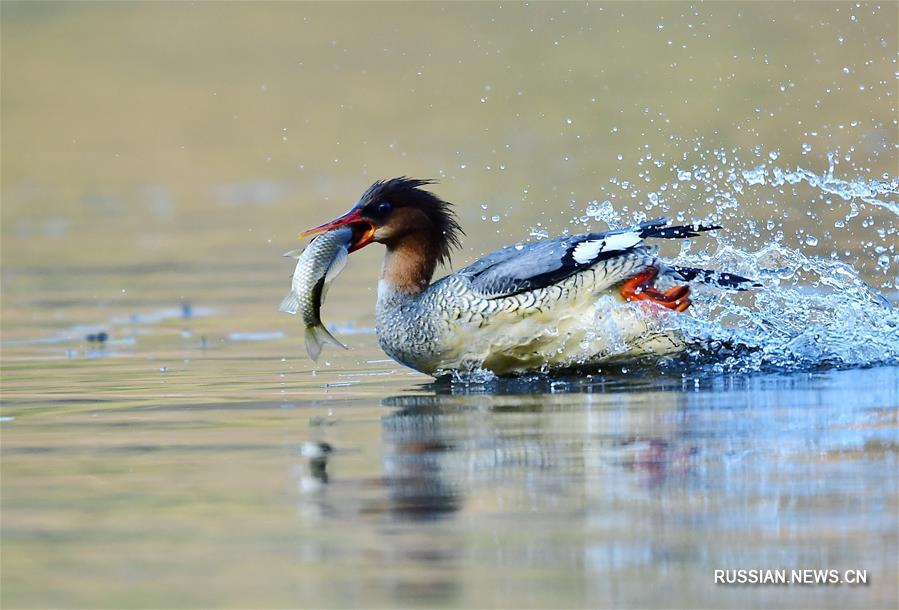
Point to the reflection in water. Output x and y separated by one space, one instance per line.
317 453
613 483
420 495
412 493
413 471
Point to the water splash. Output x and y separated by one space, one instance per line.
868 191
809 312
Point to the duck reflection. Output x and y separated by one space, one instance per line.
413 473
551 446
446 451
604 483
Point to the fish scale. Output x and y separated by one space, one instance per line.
317 266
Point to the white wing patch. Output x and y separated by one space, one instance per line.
586 251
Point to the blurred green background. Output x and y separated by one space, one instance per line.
171 131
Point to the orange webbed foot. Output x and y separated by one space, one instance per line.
639 288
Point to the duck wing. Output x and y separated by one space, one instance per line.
517 269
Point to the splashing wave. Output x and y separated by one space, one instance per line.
808 313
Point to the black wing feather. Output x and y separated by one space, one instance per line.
513 270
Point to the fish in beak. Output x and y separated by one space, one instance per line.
363 230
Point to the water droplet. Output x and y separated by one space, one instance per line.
806 148
811 240
603 211
754 176
495 218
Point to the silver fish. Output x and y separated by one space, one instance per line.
318 265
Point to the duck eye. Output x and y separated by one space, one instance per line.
384 209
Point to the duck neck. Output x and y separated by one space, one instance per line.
409 265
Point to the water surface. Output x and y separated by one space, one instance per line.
158 159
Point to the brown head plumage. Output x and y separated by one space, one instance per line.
400 206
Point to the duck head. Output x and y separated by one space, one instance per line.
399 213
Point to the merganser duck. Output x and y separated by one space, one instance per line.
553 304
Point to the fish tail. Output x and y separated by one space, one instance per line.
290 304
316 337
